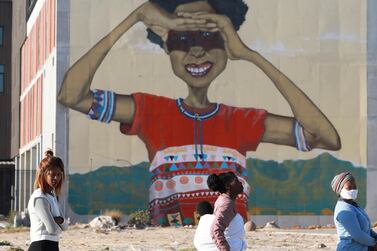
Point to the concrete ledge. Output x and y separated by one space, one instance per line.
286 221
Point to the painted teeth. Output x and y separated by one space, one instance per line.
198 70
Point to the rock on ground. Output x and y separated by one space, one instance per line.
102 222
250 226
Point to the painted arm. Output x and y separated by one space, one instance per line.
75 91
318 130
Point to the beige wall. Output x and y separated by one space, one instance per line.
320 45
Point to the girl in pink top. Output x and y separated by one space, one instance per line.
225 208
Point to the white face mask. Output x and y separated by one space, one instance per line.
348 194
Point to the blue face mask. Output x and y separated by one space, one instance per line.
348 194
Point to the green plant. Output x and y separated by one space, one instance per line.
15 249
5 243
140 217
116 215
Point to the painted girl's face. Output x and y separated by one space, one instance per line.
53 177
197 57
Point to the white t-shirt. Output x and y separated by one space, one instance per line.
234 234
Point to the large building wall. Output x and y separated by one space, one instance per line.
324 53
37 67
37 105
318 44
6 68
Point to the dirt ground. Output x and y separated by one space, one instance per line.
156 238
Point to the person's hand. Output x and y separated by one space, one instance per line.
160 21
234 46
59 220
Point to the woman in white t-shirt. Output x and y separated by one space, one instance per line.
46 218
234 233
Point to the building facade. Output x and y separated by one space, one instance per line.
19 17
6 164
37 99
58 33
37 122
5 78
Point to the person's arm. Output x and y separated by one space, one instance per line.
223 216
42 209
316 128
63 224
373 234
349 221
75 90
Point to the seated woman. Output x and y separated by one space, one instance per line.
351 221
202 238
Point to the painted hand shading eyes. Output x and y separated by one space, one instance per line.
222 25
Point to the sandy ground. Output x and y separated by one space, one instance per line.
156 238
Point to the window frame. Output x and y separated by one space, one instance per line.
2 78
1 36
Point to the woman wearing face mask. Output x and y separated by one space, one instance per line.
352 223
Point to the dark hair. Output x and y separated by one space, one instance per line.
235 10
204 207
218 183
48 162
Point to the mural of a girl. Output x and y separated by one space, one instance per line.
190 138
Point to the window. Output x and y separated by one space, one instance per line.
29 7
1 36
1 78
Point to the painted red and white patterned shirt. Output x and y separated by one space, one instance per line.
186 145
